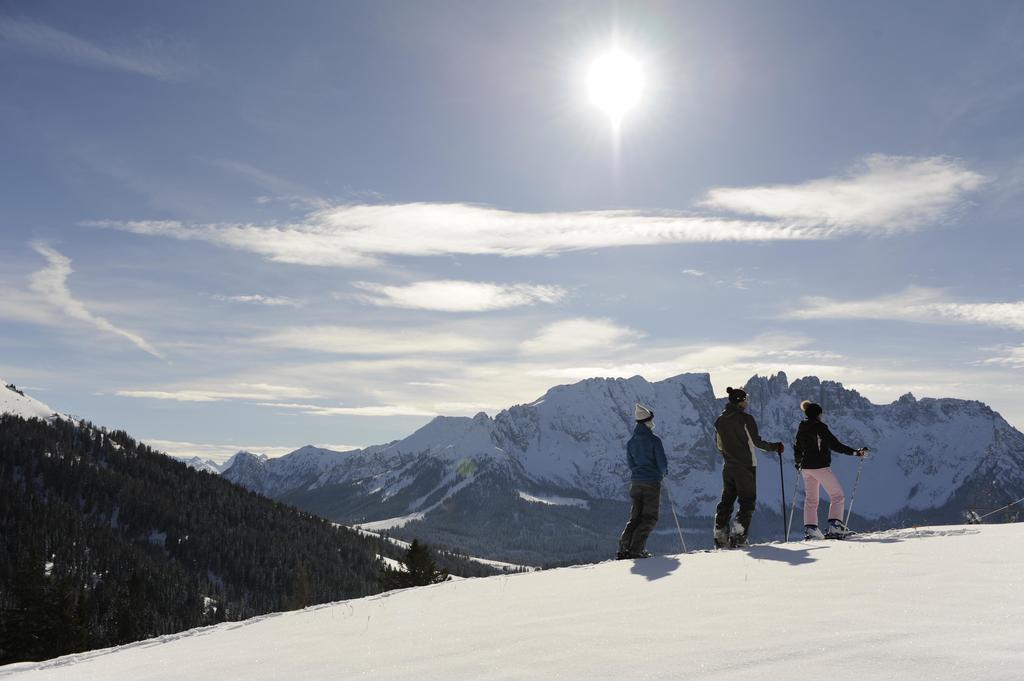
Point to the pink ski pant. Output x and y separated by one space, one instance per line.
813 481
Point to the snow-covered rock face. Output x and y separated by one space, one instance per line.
16 402
571 443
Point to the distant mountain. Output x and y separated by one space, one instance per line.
546 482
208 465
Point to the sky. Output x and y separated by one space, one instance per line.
259 225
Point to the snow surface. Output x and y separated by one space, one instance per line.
390 523
501 565
24 406
914 605
452 488
552 500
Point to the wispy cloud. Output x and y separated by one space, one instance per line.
765 353
915 304
219 452
46 41
459 296
885 195
1008 356
51 284
242 391
22 306
257 299
346 340
359 235
378 410
283 189
694 273
451 386
580 335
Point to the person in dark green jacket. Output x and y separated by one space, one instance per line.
647 467
737 437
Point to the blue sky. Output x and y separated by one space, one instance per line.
246 224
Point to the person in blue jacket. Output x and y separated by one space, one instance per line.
647 465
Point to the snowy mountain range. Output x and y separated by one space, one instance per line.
546 482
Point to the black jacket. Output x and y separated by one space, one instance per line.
737 437
814 445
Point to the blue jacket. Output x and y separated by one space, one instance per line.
646 455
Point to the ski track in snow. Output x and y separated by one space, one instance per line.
908 605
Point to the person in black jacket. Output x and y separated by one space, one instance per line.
736 437
813 453
647 467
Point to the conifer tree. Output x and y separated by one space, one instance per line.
420 569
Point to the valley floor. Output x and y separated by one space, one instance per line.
929 603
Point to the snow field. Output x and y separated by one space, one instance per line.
924 604
916 604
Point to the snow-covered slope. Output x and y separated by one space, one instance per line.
14 401
461 481
914 605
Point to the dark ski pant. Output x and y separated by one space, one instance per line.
737 482
643 516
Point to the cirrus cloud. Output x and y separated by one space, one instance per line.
459 296
580 335
257 299
915 304
51 285
224 393
883 193
46 41
348 340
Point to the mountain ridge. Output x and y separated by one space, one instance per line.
569 443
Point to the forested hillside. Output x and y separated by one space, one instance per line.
105 541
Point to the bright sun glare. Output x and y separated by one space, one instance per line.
615 82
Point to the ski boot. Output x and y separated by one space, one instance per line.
640 554
837 529
722 538
622 555
737 535
812 532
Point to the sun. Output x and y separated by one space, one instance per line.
615 82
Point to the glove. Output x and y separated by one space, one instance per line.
863 451
780 448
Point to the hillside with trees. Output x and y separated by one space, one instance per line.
105 541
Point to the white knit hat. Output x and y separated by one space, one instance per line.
642 413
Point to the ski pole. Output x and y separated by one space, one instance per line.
672 505
849 509
1012 503
792 509
782 484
